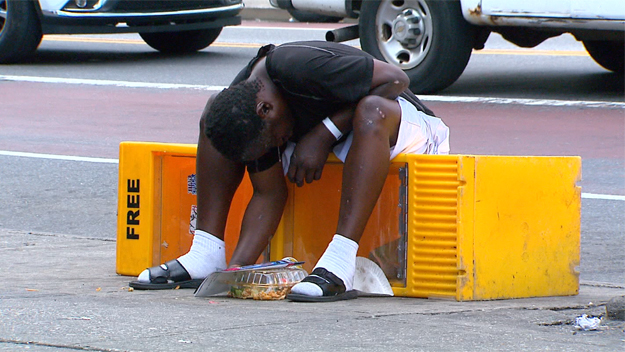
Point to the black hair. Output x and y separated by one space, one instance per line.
232 124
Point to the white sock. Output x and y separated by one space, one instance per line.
339 259
207 255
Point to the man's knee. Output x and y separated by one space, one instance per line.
369 115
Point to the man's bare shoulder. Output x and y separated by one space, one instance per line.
210 101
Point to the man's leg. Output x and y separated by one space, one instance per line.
375 126
217 180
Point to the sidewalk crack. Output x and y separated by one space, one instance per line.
60 346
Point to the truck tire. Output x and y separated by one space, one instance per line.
609 54
181 42
428 39
303 16
20 30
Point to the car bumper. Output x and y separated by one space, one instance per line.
74 22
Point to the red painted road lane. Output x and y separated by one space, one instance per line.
84 120
478 128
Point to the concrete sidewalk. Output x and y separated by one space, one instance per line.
61 292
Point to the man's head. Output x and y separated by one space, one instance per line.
246 120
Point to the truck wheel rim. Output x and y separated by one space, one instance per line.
3 14
404 32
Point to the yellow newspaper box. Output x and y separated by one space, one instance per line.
463 227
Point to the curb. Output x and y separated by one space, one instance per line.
615 308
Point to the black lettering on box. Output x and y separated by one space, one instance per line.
130 233
131 217
133 186
133 201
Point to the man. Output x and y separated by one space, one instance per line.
284 113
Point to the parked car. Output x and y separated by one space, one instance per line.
432 40
172 26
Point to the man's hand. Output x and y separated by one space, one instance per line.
310 156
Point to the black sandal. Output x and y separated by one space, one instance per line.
332 286
167 276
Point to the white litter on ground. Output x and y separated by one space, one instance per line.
587 323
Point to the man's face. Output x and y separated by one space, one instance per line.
279 123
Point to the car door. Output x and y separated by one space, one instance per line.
604 9
527 8
581 9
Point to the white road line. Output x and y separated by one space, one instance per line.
116 161
602 196
435 98
519 101
59 157
98 82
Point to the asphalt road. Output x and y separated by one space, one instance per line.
568 106
559 68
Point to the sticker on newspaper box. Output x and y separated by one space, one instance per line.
193 220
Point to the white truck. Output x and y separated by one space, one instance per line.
432 40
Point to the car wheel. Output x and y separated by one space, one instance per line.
428 39
181 42
303 16
608 54
20 31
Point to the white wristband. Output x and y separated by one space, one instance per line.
332 128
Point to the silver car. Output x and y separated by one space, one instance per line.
172 26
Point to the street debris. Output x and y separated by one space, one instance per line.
587 323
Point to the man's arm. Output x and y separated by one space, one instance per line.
262 215
388 81
312 150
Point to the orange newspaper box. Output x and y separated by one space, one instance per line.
462 227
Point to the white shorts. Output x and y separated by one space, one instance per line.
419 133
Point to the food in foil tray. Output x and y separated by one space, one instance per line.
270 284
